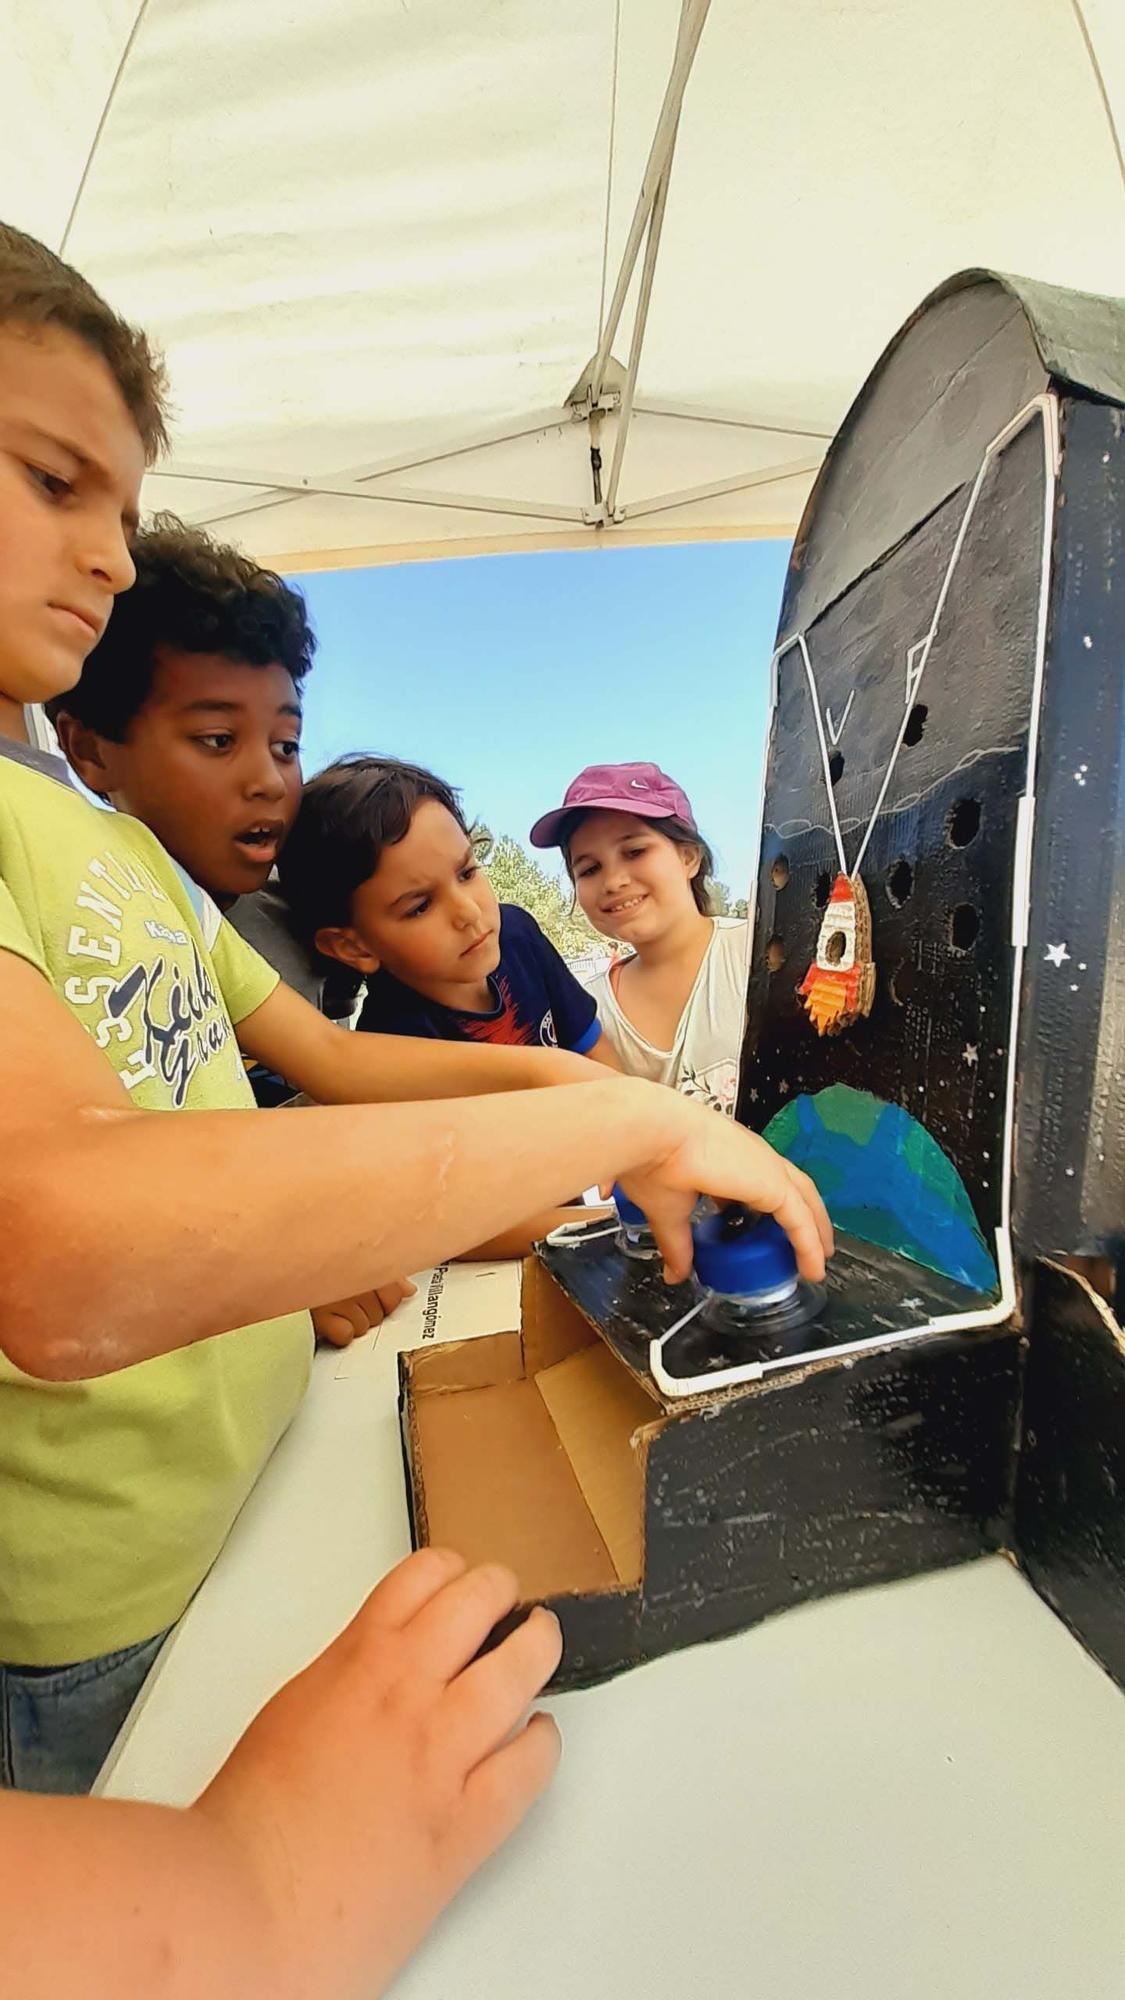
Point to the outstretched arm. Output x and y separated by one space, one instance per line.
333 1065
520 1241
354 1808
134 1232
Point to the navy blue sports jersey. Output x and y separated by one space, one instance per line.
536 1000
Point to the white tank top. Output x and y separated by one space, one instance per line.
703 1059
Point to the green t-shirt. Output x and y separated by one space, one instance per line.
117 1494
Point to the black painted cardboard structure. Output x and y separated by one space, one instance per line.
948 726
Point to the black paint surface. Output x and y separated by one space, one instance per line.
874 1467
870 1293
973 354
1070 1160
1070 1504
864 1473
937 1039
947 384
897 1463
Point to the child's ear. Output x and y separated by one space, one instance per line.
82 748
346 945
693 862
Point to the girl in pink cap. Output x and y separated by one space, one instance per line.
674 1009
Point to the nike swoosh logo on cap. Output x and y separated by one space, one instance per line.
638 784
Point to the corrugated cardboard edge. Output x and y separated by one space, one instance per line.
554 1333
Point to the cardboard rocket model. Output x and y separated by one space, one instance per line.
943 798
839 985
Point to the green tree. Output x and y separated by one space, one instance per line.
518 878
722 903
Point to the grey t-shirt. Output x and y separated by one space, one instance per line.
35 759
263 920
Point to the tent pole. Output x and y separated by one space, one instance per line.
740 482
298 487
693 14
648 272
506 433
734 420
107 107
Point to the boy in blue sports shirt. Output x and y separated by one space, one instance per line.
380 874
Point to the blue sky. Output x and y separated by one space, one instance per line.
506 674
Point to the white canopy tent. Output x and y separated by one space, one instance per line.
395 253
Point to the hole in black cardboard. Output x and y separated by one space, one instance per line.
915 723
964 923
900 882
904 983
835 948
823 888
775 954
964 822
836 766
779 873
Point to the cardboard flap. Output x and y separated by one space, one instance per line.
465 1364
599 1414
552 1326
499 1487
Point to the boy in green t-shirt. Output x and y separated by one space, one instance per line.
135 1239
187 716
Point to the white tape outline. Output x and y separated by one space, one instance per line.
1045 408
834 732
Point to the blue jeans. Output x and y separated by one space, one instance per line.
57 1723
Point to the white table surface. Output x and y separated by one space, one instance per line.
915 1792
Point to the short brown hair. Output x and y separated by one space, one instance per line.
349 813
37 289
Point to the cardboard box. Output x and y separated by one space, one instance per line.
649 1525
946 761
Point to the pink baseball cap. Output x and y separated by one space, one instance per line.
643 789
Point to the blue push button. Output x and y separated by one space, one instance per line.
741 1256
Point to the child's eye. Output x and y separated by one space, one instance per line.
51 483
288 750
469 870
582 874
418 910
217 739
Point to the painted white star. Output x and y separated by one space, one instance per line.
753 1093
970 1054
783 1087
914 1305
1056 954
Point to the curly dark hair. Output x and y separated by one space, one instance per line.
198 596
37 289
349 813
